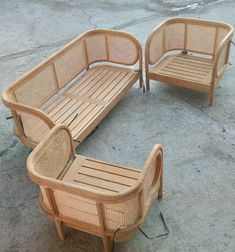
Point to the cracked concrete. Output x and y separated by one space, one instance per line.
199 141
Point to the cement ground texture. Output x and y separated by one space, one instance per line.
199 141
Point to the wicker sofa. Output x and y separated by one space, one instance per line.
205 46
91 195
77 86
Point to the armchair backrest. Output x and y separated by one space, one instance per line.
195 35
52 157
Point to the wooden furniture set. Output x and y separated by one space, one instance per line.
77 87
92 195
205 46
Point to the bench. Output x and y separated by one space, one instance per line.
91 195
77 86
189 53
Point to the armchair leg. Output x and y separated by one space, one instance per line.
210 98
107 244
160 191
60 229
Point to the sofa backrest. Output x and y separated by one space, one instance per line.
38 85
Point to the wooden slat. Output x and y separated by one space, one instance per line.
180 76
187 70
97 84
76 113
105 87
193 62
115 178
88 76
108 88
63 109
83 115
185 67
182 73
99 183
112 169
70 112
86 119
116 89
82 89
188 67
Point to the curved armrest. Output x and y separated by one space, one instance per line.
224 47
156 31
153 172
32 111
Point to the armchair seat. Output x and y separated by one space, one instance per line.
91 174
184 71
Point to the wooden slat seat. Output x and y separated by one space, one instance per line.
89 97
185 70
87 173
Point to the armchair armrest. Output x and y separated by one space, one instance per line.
153 172
221 57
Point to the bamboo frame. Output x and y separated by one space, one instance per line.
153 165
36 111
161 73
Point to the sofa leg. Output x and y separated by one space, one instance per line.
160 191
147 84
106 243
210 98
60 229
141 80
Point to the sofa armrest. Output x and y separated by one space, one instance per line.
34 112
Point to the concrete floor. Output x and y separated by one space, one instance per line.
199 141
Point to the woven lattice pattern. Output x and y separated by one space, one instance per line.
148 180
70 64
196 38
76 207
34 127
156 48
122 214
34 91
122 50
54 158
174 36
96 48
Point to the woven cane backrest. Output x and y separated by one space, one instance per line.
197 36
70 63
54 156
111 47
36 88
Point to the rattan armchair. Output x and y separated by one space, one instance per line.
91 195
189 53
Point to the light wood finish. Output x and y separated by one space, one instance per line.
77 86
91 195
207 45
